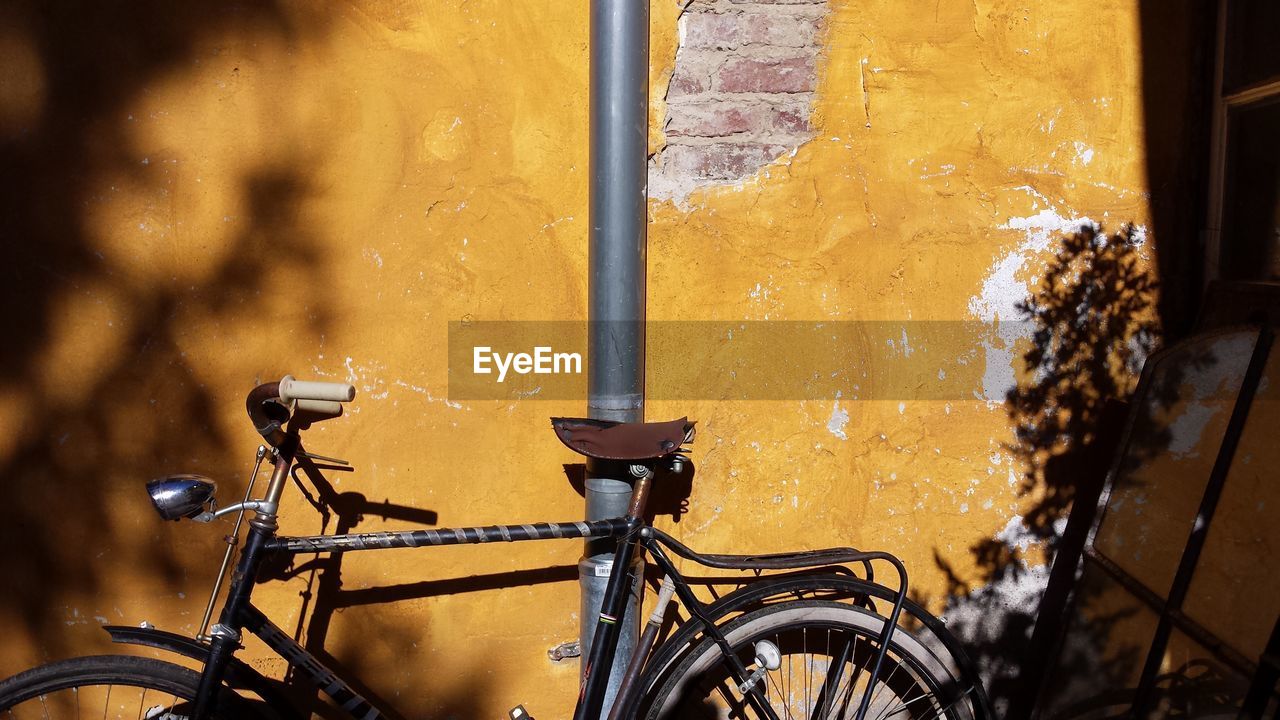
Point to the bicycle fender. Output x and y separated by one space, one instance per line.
239 674
763 589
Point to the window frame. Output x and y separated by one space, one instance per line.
1224 104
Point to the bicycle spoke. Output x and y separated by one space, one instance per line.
883 684
847 695
904 706
112 687
831 683
785 697
808 672
704 708
828 651
781 694
826 678
734 703
947 708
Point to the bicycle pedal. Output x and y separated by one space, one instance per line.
519 713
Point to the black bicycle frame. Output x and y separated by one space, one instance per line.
239 614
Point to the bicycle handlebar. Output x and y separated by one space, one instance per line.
291 390
319 407
316 398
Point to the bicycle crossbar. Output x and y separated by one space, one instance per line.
612 527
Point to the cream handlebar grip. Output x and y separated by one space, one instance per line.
319 407
291 390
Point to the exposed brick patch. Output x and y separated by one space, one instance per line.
717 119
729 30
721 161
741 93
765 75
687 81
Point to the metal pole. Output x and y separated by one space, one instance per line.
619 124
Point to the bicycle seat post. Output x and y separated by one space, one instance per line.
640 491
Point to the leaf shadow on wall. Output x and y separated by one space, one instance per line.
97 391
1062 449
90 416
1094 319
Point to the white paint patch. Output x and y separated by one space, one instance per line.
1047 128
429 396
1015 534
983 617
1018 593
1084 153
548 226
998 378
1005 288
943 171
375 388
839 418
1039 196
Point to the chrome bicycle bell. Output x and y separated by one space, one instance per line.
181 496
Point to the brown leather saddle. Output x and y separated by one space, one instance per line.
608 440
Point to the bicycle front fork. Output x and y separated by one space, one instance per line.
226 634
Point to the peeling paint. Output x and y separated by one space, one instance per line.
1005 287
1084 153
839 418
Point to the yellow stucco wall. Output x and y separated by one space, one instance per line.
320 188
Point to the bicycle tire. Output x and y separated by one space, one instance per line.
931 632
112 686
919 684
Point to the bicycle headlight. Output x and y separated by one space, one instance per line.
181 496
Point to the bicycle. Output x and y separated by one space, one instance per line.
807 613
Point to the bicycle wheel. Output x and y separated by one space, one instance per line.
827 650
110 686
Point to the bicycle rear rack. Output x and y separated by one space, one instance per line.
808 559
